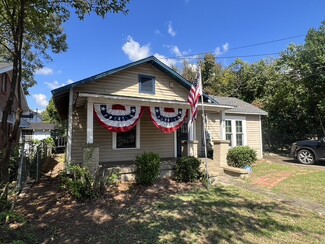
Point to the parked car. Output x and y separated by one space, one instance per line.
309 151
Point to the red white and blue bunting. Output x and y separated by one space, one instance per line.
116 117
122 118
168 120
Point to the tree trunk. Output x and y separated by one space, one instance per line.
8 138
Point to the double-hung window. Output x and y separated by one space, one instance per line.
127 140
235 131
147 84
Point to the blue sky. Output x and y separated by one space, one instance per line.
169 29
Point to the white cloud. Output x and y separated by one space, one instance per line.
41 100
171 30
134 50
225 47
53 85
176 51
219 51
168 61
44 71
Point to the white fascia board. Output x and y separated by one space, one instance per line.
98 98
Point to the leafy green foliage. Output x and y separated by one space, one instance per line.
291 89
241 156
147 168
188 169
51 115
30 30
81 184
113 176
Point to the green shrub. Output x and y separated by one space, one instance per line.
241 156
147 168
81 184
188 169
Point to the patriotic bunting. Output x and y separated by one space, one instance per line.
116 117
168 120
121 118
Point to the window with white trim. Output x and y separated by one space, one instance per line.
127 140
235 131
147 84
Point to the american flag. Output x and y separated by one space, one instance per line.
194 96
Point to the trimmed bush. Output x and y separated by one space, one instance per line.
147 168
188 169
241 156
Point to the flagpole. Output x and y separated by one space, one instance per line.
204 135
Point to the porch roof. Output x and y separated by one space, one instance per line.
100 98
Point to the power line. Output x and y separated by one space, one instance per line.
267 42
197 55
238 56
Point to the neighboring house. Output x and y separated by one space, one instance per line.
33 128
5 83
142 107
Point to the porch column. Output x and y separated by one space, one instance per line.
90 122
222 125
220 151
70 120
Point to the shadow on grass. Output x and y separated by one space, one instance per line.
165 212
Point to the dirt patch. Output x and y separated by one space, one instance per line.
52 216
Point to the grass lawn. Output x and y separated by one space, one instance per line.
162 214
223 215
304 183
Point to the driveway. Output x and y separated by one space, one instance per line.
275 158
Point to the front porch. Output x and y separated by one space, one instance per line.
126 169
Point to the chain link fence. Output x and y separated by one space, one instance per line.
32 156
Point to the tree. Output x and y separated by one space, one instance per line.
51 115
189 71
29 29
304 65
211 73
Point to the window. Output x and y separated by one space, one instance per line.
127 140
147 84
228 131
239 133
235 131
4 82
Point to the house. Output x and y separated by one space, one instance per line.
5 83
142 107
33 127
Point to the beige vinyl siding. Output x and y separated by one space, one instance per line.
79 134
126 83
253 127
213 126
151 140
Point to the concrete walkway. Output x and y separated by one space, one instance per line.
265 191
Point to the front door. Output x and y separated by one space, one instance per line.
182 135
